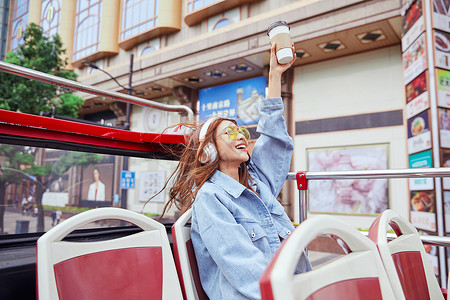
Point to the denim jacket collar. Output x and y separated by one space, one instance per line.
227 183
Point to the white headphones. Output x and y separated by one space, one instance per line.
209 153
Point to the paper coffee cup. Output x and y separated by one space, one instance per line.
279 33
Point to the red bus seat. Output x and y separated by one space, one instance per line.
404 258
357 275
185 260
137 266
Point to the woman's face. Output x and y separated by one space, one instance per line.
232 152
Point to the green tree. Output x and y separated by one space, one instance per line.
42 53
18 163
10 173
45 175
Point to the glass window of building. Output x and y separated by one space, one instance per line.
87 28
194 5
19 23
138 16
50 16
229 17
222 23
76 182
147 50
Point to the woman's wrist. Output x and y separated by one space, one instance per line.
274 86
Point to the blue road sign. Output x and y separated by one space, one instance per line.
127 180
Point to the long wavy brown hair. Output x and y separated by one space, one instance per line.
190 174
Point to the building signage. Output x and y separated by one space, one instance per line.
443 88
445 162
413 24
447 210
416 87
442 49
421 160
419 104
444 126
440 19
237 100
419 135
414 59
423 207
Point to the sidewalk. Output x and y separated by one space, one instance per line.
12 217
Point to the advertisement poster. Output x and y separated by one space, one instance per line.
443 88
423 207
416 87
414 59
413 24
237 100
356 196
150 183
421 160
447 210
419 135
441 15
445 162
442 49
444 126
432 255
98 182
419 104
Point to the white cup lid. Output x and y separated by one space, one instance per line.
275 24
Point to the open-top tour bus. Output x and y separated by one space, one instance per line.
70 242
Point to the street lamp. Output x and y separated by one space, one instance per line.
129 89
126 126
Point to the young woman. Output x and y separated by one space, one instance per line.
237 222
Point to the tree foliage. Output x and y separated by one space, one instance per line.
19 163
42 53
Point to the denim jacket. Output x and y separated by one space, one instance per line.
235 233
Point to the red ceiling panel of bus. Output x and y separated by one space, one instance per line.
19 125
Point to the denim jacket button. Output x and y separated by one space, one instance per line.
253 234
288 231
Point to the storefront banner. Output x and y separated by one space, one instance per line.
419 135
447 210
423 207
431 254
355 196
445 162
442 49
440 19
151 183
433 258
444 126
414 59
419 143
413 24
423 220
419 104
237 100
421 160
443 88
416 87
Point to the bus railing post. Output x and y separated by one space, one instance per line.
302 185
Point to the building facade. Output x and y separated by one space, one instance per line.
344 96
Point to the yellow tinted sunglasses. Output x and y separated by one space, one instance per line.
233 132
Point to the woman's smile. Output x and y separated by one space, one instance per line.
232 148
